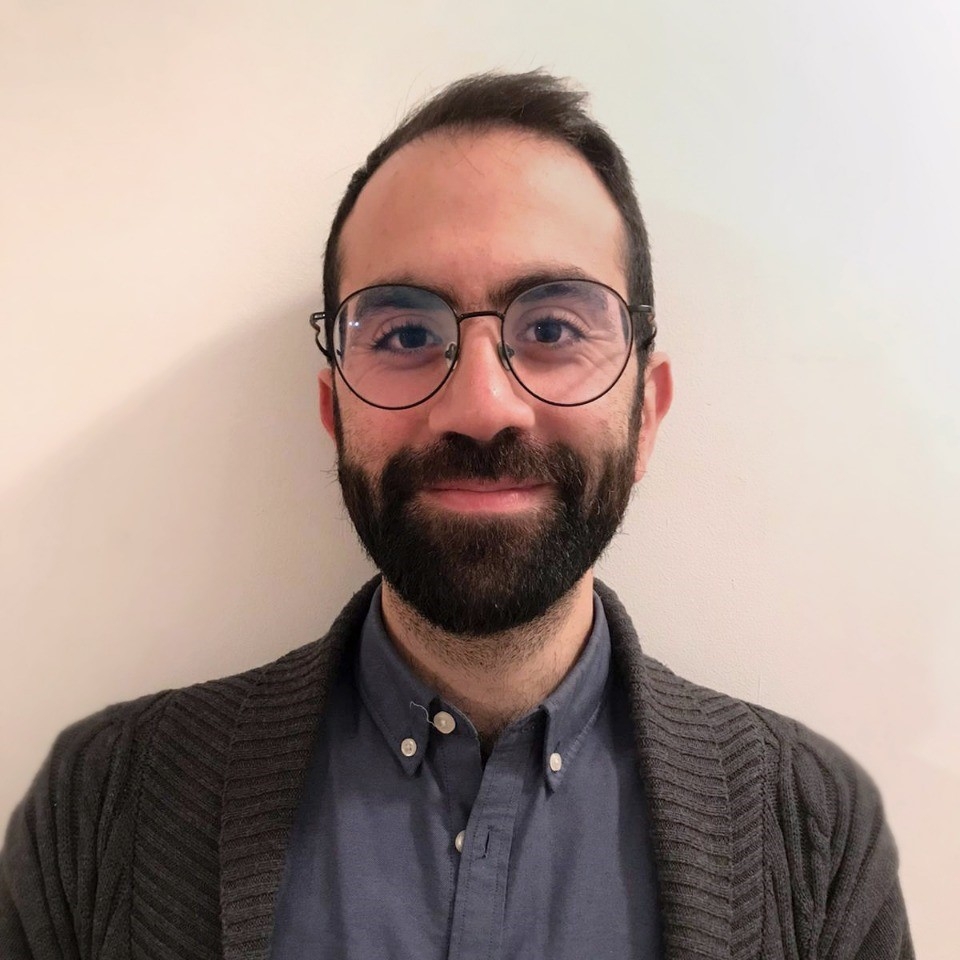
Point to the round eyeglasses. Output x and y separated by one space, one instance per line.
567 342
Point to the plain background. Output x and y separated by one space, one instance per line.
169 508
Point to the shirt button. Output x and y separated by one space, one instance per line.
408 747
444 722
556 762
458 840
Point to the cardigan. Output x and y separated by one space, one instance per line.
157 828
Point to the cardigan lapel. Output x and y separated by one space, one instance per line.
702 767
267 763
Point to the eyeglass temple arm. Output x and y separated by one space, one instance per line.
647 313
318 321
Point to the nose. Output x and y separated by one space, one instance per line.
481 397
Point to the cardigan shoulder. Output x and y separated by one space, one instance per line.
75 816
148 771
829 862
147 813
836 856
807 776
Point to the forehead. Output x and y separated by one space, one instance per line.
467 211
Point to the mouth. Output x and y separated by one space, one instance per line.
487 496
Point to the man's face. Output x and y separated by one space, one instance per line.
483 506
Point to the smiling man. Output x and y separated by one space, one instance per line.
477 760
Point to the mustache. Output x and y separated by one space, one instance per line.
458 457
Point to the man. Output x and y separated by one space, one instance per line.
477 760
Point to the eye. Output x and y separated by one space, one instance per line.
547 331
405 335
551 330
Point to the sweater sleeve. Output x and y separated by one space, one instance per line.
64 866
843 859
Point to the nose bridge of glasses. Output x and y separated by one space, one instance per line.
503 351
478 313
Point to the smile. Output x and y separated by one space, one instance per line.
487 496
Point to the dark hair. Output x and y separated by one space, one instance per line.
533 101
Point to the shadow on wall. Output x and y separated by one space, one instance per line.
195 532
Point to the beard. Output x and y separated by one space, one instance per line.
480 575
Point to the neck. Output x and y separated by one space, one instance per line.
497 677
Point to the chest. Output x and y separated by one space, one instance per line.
465 860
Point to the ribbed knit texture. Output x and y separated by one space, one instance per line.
157 828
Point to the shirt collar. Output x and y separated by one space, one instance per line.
397 699
572 708
401 704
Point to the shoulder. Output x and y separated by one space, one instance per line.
104 743
91 772
820 792
144 774
96 763
201 718
830 845
828 848
810 771
804 822
825 778
74 820
124 792
830 864
811 785
89 765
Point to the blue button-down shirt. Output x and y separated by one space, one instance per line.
407 845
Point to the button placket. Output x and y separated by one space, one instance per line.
481 877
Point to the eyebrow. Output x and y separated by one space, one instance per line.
551 289
410 296
502 294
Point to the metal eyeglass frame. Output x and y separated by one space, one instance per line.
322 323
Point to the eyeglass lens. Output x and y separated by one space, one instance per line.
566 342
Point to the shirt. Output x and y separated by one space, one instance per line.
405 844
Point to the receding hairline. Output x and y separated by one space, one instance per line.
479 128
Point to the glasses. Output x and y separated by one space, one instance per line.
567 342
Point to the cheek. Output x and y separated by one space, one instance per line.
369 437
599 426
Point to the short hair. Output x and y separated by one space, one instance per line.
535 101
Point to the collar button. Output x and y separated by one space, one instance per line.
444 722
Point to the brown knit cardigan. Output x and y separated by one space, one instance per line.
157 828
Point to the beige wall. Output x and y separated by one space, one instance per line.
169 511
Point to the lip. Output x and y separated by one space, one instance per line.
486 486
487 496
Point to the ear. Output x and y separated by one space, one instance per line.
325 383
657 397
